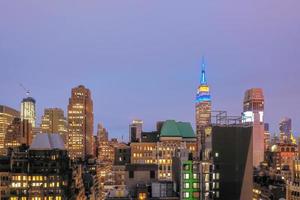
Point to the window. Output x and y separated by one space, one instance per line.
186 176
196 185
196 194
186 185
186 167
195 176
186 195
131 174
152 174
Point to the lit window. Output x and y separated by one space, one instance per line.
186 176
186 185
186 195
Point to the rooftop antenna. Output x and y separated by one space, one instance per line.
26 90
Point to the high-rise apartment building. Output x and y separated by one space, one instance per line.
254 114
7 115
135 130
203 108
28 110
80 123
54 121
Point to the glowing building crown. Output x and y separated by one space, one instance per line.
203 93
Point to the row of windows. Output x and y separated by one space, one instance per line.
187 185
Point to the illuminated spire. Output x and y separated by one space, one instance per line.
203 75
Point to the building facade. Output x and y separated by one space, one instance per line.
135 130
7 115
18 133
80 123
28 110
54 121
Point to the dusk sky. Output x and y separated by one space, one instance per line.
141 59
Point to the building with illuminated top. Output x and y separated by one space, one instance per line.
28 110
203 107
253 114
80 123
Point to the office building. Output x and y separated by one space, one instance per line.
54 121
135 130
7 115
173 137
28 110
80 123
253 114
18 133
203 108
43 171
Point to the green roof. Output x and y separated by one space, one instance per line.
171 128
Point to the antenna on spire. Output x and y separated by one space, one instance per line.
203 75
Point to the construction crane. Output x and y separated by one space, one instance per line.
26 90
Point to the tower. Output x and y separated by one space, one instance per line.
203 107
28 110
80 123
254 115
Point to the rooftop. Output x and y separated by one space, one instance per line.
47 141
171 128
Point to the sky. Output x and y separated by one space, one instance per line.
142 59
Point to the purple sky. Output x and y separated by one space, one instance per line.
141 59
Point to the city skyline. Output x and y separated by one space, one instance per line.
158 81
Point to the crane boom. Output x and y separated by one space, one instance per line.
26 90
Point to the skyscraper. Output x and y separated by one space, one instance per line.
80 122
28 110
135 130
254 115
203 107
7 115
285 128
54 121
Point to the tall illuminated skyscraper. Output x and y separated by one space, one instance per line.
80 123
254 115
28 110
7 115
203 107
54 121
